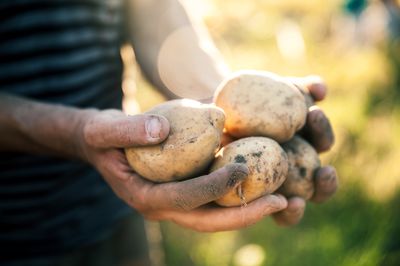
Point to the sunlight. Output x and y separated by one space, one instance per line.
249 255
290 41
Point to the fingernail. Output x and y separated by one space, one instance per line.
153 128
316 114
327 178
279 202
327 173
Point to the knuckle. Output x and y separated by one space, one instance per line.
140 207
144 209
136 197
141 202
121 133
88 135
130 134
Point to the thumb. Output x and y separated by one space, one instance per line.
115 129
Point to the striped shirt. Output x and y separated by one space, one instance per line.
68 52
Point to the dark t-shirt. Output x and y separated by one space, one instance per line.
68 52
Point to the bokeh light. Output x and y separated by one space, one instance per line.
359 58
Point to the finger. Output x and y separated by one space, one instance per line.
313 85
189 194
292 214
213 219
326 183
112 130
318 130
316 86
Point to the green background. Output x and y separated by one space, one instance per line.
360 64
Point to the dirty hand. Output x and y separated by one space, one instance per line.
318 132
187 203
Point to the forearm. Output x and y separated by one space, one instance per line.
39 128
174 51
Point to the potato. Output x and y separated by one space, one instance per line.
194 138
261 104
303 162
267 163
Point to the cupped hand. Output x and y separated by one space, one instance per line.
318 131
188 203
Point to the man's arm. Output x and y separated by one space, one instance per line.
39 128
98 136
34 127
174 50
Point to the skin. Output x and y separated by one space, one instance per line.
99 136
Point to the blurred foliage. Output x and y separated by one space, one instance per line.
361 65
350 230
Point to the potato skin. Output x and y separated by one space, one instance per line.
303 162
195 135
258 103
267 163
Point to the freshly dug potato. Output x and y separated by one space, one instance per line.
267 163
303 162
194 138
260 103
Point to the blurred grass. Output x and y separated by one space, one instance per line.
361 224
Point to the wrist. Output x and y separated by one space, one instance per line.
40 128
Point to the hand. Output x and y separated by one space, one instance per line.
187 203
318 132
